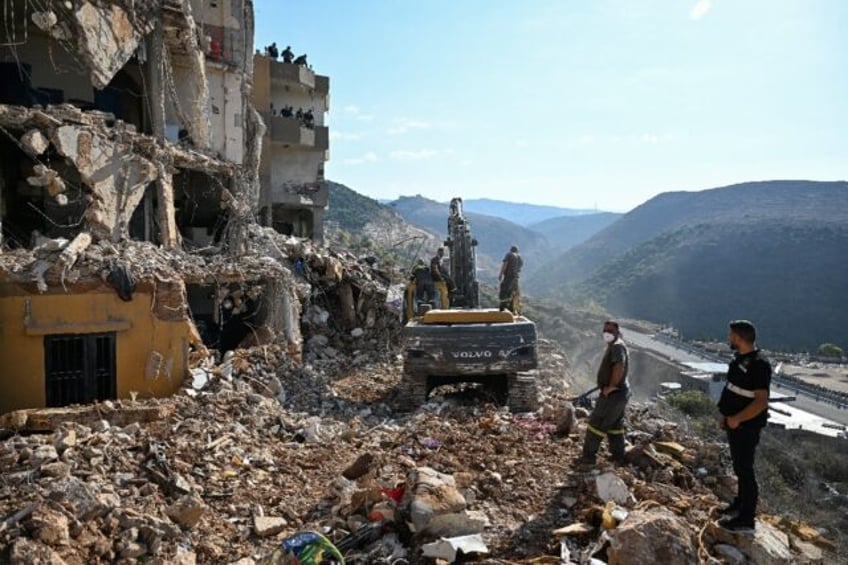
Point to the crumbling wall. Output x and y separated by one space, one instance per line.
107 33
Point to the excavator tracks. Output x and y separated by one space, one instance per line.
523 395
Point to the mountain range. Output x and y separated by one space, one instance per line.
770 251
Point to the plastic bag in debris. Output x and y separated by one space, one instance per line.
305 548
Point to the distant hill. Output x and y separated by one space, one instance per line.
773 200
772 251
350 210
519 213
564 232
495 235
364 226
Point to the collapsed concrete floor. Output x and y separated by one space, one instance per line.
262 447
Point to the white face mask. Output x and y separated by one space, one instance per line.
608 337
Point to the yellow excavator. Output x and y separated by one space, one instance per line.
456 341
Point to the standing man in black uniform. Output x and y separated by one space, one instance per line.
509 294
744 411
607 418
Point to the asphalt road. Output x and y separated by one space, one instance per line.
681 353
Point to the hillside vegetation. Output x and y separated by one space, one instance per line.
773 252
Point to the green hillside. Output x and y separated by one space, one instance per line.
778 201
349 209
789 278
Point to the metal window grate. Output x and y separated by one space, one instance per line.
79 368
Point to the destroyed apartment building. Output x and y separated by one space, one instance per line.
129 195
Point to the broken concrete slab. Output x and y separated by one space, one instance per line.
767 545
50 419
429 494
450 548
107 37
116 174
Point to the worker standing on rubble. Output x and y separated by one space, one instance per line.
607 418
439 273
744 412
509 295
424 289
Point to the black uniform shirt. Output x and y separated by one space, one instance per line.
746 373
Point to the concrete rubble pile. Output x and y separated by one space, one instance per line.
268 447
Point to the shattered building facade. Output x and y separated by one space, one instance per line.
129 183
293 192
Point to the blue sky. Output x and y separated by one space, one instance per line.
575 103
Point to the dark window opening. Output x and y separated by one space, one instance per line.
197 199
298 222
79 369
27 209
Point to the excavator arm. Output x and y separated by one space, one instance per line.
462 248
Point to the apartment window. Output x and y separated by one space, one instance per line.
79 368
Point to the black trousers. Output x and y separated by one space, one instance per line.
743 445
606 422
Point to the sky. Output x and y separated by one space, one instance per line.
591 104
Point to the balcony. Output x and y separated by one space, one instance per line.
290 131
292 74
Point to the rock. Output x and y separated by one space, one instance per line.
431 494
133 550
357 332
66 439
809 554
651 536
768 545
566 419
317 342
26 552
610 487
50 527
132 429
359 467
57 469
267 526
101 426
43 454
448 549
730 554
78 496
187 511
244 561
183 557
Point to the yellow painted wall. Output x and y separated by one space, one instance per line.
138 335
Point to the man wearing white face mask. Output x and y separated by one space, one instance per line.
607 419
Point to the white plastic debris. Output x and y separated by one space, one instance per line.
448 548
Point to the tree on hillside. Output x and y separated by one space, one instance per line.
830 350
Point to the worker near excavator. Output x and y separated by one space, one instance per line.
607 418
509 294
744 412
440 275
425 291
